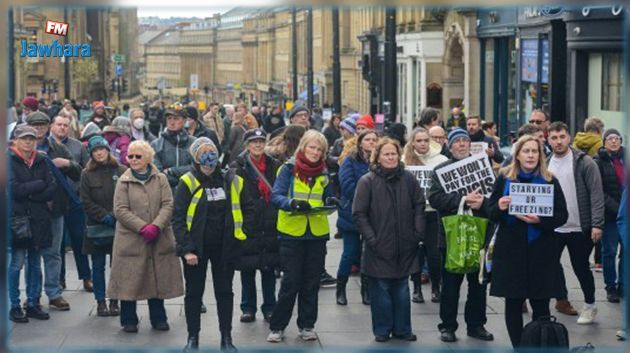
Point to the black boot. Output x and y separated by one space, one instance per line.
365 293
192 345
417 291
226 342
341 291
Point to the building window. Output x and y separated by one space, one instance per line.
612 82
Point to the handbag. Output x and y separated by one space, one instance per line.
21 230
100 234
465 235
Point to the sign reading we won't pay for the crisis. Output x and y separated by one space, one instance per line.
423 175
531 199
468 175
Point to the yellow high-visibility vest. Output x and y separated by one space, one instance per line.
295 225
235 198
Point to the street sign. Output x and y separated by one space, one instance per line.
194 81
119 70
118 58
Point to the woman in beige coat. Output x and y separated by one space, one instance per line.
144 264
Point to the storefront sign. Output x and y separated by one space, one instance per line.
531 199
529 60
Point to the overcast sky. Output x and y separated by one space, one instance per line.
189 8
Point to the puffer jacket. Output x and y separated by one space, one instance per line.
388 210
29 190
352 169
119 144
260 250
171 152
588 142
612 188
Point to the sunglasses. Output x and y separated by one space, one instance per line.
135 156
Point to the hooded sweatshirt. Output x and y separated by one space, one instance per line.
588 142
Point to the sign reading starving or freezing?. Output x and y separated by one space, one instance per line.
468 175
531 199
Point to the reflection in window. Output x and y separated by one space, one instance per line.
612 81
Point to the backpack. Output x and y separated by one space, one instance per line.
545 332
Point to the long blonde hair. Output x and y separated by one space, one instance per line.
511 171
409 156
313 136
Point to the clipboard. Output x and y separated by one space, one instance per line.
315 211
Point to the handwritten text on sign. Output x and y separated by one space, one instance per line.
468 175
536 199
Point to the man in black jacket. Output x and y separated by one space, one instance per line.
63 166
473 125
447 204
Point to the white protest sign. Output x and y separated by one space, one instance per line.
468 175
477 148
423 175
327 114
536 199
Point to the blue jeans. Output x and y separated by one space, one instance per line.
351 253
390 306
52 260
33 276
98 275
248 291
610 242
128 315
74 226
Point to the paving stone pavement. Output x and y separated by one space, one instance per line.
339 328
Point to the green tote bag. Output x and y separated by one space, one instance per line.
465 235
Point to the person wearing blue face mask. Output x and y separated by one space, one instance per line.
213 215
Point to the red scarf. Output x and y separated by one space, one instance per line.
27 160
305 169
619 169
263 189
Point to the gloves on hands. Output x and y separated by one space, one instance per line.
332 201
149 232
109 220
300 205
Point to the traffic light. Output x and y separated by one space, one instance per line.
124 85
54 86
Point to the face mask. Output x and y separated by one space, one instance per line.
138 124
187 125
209 159
207 171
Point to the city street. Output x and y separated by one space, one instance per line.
338 327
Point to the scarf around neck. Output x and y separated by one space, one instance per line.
305 169
533 232
261 165
28 160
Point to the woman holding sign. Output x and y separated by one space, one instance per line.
420 151
524 264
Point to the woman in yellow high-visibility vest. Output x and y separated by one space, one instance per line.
212 215
302 184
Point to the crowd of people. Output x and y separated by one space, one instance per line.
240 189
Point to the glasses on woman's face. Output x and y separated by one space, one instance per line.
134 156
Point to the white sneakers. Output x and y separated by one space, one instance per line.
307 334
587 316
275 336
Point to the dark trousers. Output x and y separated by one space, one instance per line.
195 277
514 316
580 246
75 228
351 254
248 291
128 315
390 306
475 309
302 264
430 250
